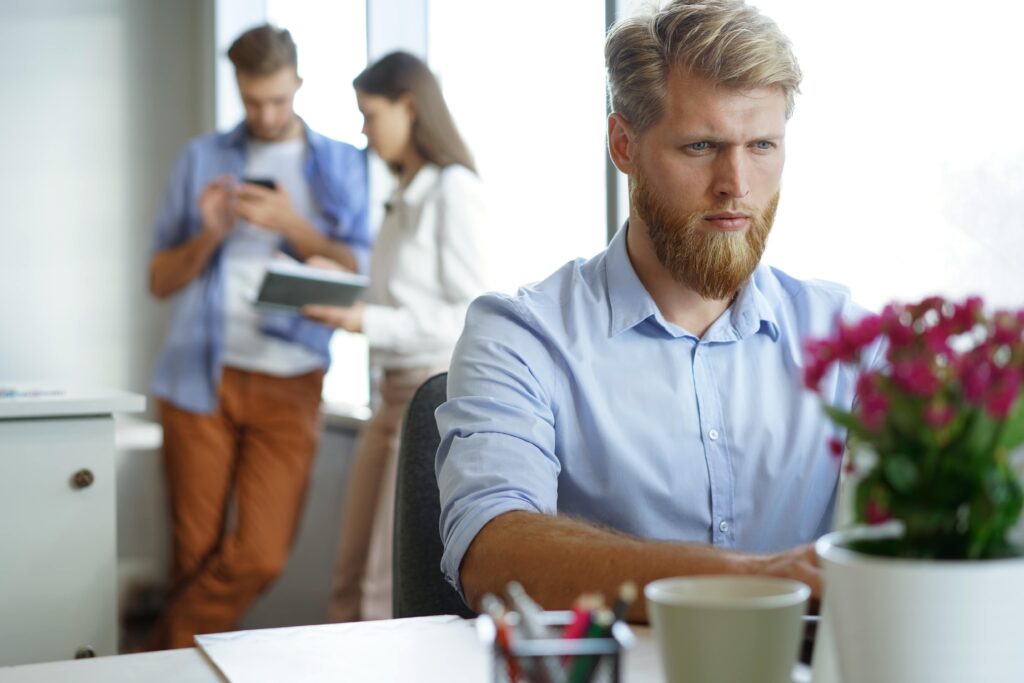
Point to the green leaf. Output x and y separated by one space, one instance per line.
1013 433
900 471
848 420
979 436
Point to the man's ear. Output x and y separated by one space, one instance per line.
621 143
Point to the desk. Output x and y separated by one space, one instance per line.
465 661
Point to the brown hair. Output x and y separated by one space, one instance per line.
433 130
726 41
263 50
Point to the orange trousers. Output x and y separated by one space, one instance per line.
259 444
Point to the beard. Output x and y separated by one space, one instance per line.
713 264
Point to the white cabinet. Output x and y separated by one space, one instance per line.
58 555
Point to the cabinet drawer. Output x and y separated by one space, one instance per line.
57 538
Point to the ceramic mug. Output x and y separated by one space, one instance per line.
727 629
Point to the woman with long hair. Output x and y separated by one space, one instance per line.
426 267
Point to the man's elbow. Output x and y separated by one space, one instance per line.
485 567
156 286
473 580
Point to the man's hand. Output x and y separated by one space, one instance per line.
215 208
800 563
348 318
269 209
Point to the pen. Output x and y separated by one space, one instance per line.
581 616
493 607
584 666
627 594
547 669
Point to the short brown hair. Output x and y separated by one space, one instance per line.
726 41
263 50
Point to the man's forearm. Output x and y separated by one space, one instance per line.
307 242
172 269
557 558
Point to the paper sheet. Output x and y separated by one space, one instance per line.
442 649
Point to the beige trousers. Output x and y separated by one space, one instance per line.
362 579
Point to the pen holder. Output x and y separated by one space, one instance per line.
554 659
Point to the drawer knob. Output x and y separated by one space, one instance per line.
84 652
82 479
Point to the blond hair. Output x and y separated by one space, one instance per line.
726 41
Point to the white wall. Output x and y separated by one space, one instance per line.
98 97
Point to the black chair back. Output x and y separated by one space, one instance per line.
419 586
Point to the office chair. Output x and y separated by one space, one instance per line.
419 587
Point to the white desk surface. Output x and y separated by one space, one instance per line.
457 663
460 665
177 666
20 399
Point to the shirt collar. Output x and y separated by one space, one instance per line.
749 314
238 136
416 191
631 303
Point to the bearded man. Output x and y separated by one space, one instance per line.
641 414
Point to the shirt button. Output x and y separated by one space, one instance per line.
723 526
713 434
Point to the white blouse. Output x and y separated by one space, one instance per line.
426 268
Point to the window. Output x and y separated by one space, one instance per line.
904 155
525 83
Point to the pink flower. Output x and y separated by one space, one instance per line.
966 315
875 513
872 403
916 377
852 339
936 339
821 355
938 414
1000 401
976 373
901 335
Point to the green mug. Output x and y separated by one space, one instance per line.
727 629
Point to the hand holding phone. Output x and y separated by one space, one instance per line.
268 183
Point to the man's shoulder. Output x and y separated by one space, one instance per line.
574 289
206 142
776 283
328 145
807 302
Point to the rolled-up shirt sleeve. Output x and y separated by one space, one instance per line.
497 451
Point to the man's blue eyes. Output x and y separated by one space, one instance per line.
704 146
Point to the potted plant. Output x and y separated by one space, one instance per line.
928 587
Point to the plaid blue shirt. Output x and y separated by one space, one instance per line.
189 367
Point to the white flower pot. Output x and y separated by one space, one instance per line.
919 621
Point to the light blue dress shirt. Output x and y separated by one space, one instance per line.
577 397
189 368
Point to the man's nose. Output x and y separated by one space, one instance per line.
731 174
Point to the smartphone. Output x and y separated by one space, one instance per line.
268 183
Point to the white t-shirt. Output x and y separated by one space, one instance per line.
247 250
